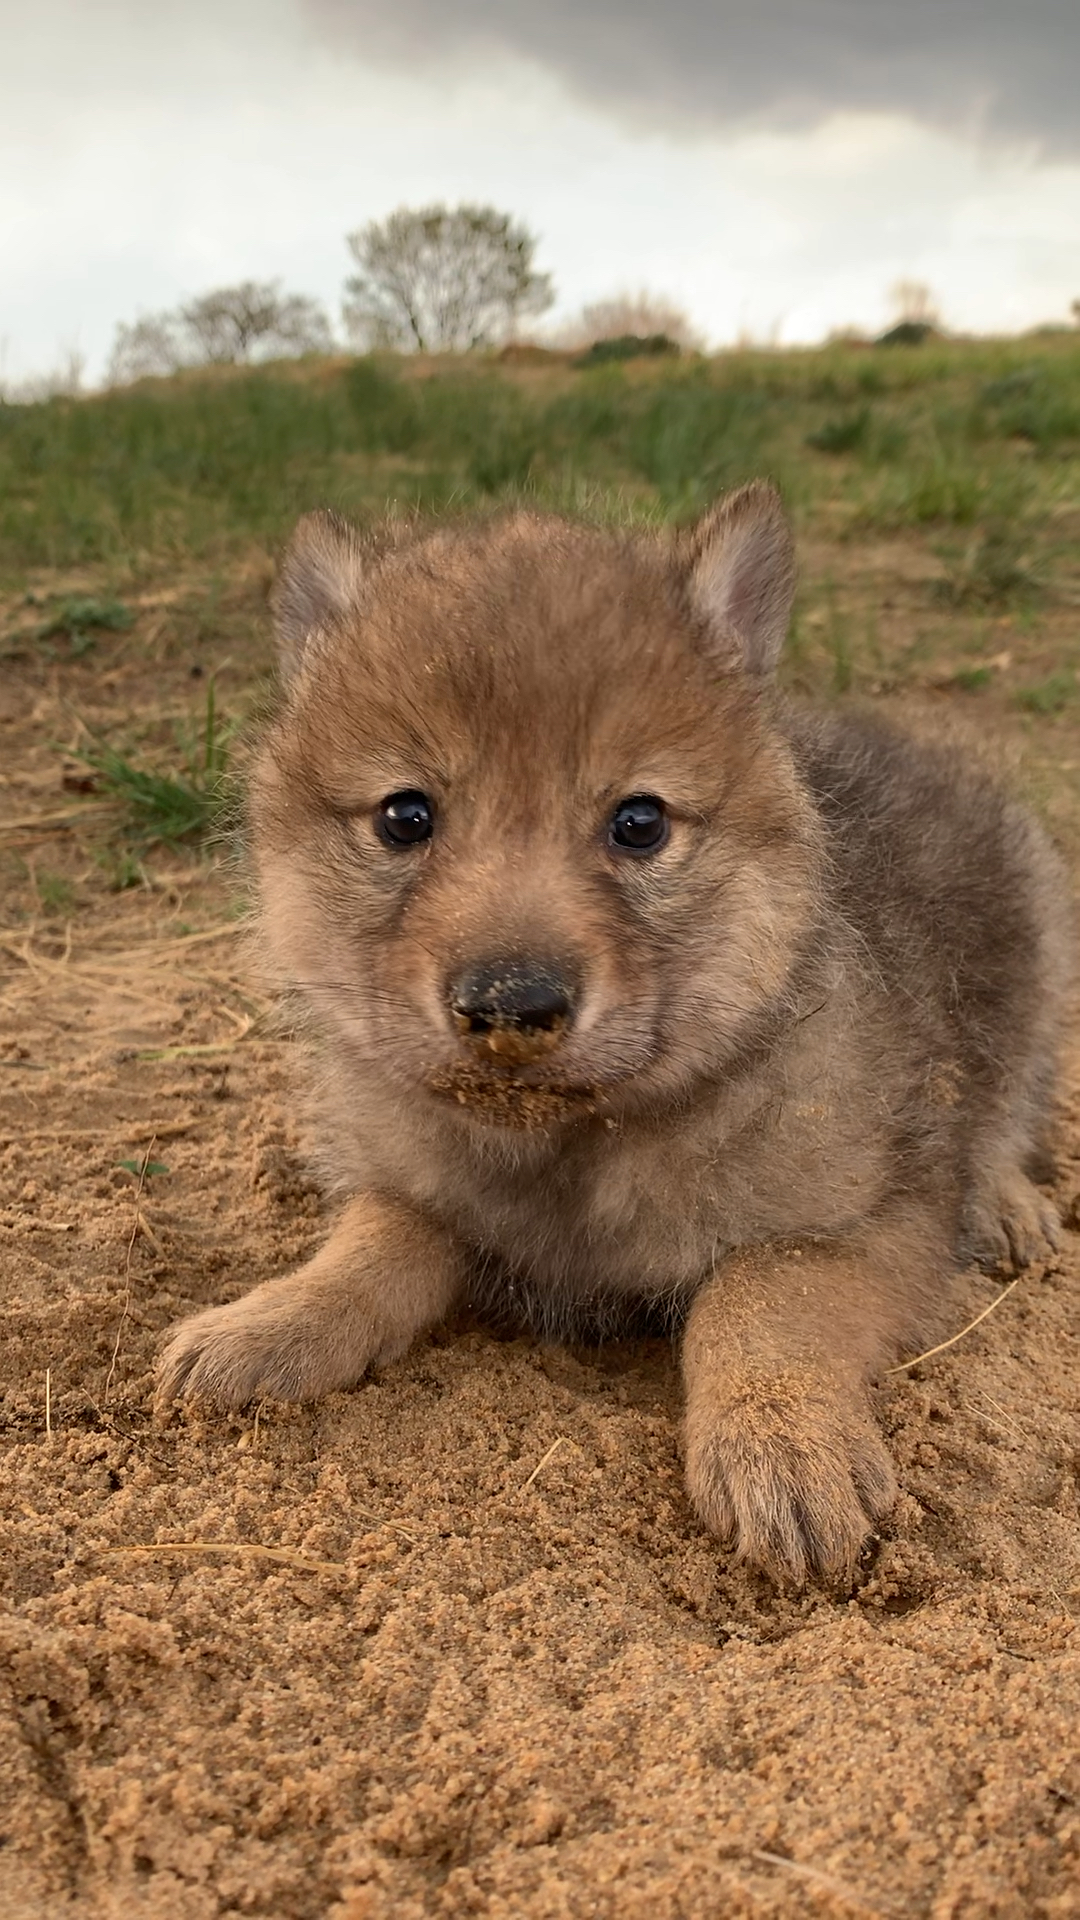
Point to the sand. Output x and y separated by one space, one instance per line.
454 1643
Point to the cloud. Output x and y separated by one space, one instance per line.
992 67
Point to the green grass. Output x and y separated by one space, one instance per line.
991 570
167 808
78 620
936 496
201 467
1049 696
55 893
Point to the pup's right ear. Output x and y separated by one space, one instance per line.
319 580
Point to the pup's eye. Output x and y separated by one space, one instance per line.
404 819
639 824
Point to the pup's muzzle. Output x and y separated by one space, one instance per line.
512 1011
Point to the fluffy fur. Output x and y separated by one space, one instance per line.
811 1038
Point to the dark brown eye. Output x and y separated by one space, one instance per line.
404 819
639 824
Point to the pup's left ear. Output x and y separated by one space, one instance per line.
740 571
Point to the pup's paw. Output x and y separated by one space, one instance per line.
276 1349
791 1474
1013 1225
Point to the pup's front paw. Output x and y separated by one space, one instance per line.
238 1353
790 1472
1013 1224
266 1348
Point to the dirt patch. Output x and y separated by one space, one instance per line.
454 1643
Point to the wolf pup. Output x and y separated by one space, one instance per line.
635 985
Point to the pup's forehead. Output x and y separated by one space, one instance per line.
527 608
509 667
546 599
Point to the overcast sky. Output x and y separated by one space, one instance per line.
774 167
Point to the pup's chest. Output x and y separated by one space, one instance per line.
649 1212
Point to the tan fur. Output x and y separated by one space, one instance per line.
807 1044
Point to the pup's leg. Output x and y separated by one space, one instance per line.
783 1457
383 1276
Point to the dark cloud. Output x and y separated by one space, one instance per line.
1009 68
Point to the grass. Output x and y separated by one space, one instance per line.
993 568
964 457
78 620
1049 696
163 808
55 892
952 434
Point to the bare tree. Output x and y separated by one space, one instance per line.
644 314
442 279
913 304
149 345
228 325
233 323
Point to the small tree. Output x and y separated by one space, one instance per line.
644 314
913 304
442 279
231 324
149 345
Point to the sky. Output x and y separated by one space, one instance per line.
774 168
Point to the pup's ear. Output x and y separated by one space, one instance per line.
740 563
319 579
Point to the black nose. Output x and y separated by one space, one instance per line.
511 996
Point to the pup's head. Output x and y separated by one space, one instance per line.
526 837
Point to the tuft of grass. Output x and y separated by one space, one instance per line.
1037 403
56 895
122 869
78 621
168 809
992 571
842 432
972 679
1048 696
83 614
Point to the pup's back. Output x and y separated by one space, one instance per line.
962 907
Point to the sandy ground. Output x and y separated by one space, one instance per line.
454 1644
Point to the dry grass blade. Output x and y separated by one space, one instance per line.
816 1878
562 1441
151 1054
944 1345
248 1549
30 822
113 962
